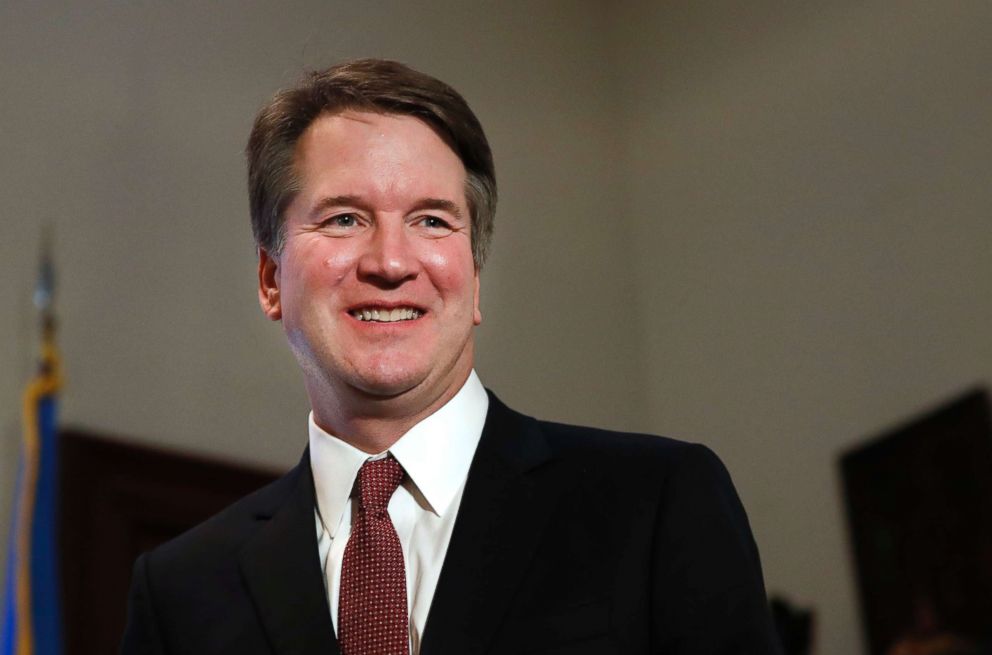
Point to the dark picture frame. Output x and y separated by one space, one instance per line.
119 499
919 507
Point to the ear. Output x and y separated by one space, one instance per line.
268 285
477 317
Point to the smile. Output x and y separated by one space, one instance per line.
383 315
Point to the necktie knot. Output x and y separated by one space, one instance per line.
377 480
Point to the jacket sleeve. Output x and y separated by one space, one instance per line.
142 635
709 596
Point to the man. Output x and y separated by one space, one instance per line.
427 517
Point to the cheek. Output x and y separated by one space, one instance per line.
325 266
335 266
451 275
451 270
315 277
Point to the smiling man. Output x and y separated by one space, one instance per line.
375 282
426 517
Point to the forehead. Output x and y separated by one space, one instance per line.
353 144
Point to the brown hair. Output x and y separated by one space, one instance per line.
366 85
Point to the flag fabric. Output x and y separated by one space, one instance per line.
31 620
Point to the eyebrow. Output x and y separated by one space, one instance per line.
437 204
336 201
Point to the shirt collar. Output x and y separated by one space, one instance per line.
435 453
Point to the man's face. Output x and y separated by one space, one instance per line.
376 286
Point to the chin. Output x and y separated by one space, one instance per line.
387 381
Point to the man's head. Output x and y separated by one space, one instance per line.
365 85
372 195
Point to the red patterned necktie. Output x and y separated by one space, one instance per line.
372 614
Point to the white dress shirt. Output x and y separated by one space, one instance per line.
436 454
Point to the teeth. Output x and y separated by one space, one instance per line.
387 316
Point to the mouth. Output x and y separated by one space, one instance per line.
385 314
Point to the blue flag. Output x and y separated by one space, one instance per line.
31 621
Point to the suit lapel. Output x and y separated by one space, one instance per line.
502 514
281 568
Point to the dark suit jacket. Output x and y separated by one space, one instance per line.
568 540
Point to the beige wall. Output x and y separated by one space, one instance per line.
762 229
810 191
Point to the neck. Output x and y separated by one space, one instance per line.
374 423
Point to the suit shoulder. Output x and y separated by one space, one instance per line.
579 441
625 461
225 532
602 453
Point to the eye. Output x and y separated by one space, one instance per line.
341 224
343 220
435 223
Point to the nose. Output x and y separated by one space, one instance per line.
388 258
